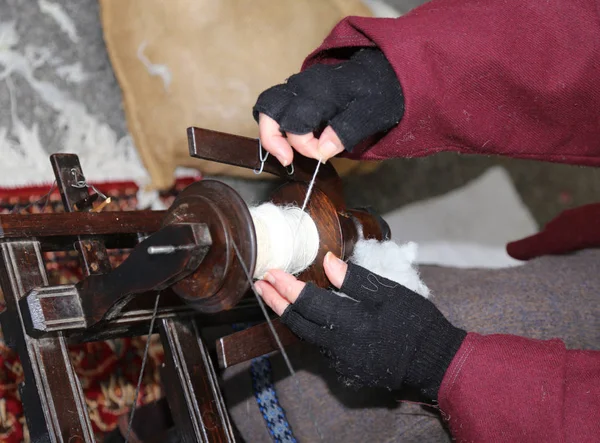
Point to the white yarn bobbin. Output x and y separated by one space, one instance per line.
285 239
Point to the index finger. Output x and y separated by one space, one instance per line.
273 141
272 298
288 286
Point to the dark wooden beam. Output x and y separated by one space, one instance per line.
251 343
192 386
79 223
51 393
241 151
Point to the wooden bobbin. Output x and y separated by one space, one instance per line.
220 283
338 231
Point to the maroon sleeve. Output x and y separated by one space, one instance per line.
509 77
572 230
508 388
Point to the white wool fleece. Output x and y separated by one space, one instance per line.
392 261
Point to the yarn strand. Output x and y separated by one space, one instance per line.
264 310
311 185
306 199
287 239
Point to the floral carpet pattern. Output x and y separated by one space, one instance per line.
108 370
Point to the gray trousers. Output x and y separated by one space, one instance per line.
546 298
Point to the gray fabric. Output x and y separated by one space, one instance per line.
548 297
100 94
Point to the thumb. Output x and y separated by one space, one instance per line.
329 144
335 269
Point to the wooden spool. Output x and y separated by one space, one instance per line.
221 281
110 303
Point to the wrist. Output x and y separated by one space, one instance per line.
387 103
436 348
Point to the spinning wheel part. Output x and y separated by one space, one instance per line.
323 212
51 393
241 151
220 283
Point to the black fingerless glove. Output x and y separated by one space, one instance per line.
359 98
381 334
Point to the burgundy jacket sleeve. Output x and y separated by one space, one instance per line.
509 77
508 388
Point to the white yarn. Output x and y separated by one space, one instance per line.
392 261
287 239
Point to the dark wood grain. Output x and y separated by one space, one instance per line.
350 234
134 319
192 386
102 296
66 243
51 394
243 152
75 197
221 282
324 214
79 223
252 342
372 225
151 423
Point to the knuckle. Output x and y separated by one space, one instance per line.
288 289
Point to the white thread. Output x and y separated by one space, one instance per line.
287 239
303 209
311 185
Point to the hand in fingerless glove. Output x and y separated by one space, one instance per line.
382 334
358 98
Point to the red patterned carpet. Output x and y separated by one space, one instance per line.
108 370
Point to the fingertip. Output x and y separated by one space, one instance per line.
281 149
335 269
273 141
269 277
286 157
285 284
305 144
271 297
329 144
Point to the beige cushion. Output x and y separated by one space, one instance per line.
203 63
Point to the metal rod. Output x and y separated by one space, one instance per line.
169 249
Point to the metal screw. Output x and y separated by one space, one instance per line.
169 249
